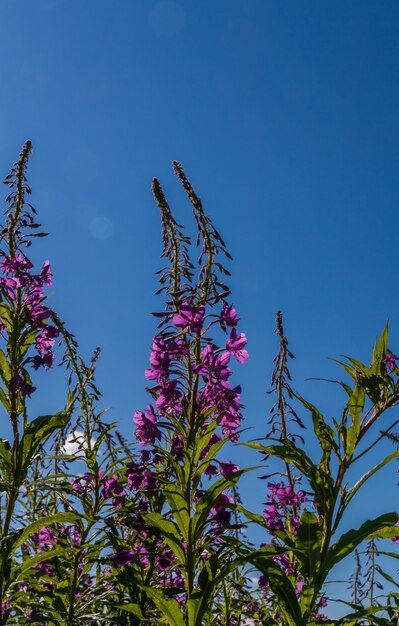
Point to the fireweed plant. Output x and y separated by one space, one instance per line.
96 530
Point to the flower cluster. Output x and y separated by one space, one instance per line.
183 359
24 292
282 503
389 360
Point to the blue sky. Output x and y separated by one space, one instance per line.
285 116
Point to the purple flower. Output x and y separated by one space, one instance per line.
177 447
150 482
147 430
159 360
220 517
17 383
17 265
45 274
36 308
169 397
165 560
228 316
235 345
113 488
228 468
8 285
5 607
46 339
211 470
32 614
207 360
390 360
44 568
298 587
123 558
82 484
134 475
189 317
273 519
43 361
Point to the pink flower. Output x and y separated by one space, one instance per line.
228 468
147 430
189 317
235 346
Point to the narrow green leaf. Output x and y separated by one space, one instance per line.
308 545
169 608
209 499
43 556
131 608
34 527
355 407
4 400
37 433
281 587
6 461
179 508
380 350
383 526
170 533
5 371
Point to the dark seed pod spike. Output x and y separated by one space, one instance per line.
212 245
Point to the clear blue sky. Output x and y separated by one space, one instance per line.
285 116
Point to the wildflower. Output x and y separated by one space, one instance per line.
228 468
235 345
165 560
189 317
45 274
390 360
123 558
228 316
169 397
147 430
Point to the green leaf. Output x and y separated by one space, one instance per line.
198 612
252 517
5 315
355 407
6 461
382 526
308 543
27 341
179 508
209 499
169 608
170 532
43 556
323 432
34 527
380 350
36 435
4 400
5 371
281 587
131 608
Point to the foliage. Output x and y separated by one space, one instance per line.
154 531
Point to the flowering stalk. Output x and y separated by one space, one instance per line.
193 400
23 325
312 543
